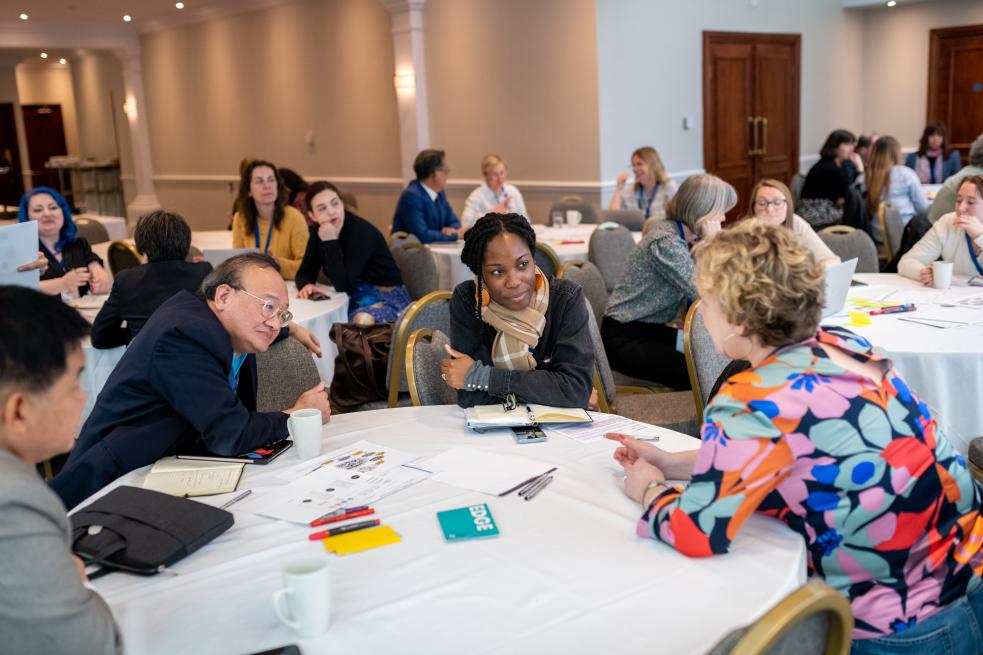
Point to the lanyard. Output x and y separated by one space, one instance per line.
54 260
682 235
643 204
269 235
237 361
972 255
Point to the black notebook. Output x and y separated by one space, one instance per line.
262 455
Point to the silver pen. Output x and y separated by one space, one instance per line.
236 499
539 487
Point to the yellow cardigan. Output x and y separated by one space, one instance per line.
288 243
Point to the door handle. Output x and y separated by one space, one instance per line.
753 120
764 137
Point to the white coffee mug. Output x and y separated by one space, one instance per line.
304 603
941 274
304 426
573 217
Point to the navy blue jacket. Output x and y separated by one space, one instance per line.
417 214
170 388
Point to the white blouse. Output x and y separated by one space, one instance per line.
947 241
483 199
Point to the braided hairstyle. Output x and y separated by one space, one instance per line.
485 229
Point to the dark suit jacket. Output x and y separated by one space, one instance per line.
417 214
137 292
170 388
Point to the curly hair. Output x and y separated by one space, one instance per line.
485 229
765 280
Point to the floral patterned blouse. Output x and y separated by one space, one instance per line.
888 508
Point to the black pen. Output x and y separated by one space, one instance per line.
351 527
525 482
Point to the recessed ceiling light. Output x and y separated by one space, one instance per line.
127 18
179 5
23 16
44 55
891 3
62 61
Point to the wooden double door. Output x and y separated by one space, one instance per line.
955 83
750 109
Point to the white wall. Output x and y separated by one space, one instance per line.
895 63
650 65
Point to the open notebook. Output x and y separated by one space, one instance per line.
180 477
482 417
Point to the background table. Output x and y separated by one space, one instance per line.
203 240
566 575
317 317
944 367
568 242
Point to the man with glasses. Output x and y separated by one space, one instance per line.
423 209
189 374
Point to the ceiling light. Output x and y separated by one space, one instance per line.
891 3
179 5
44 55
62 61
23 16
127 18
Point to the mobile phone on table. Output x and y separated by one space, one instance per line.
324 296
528 435
283 650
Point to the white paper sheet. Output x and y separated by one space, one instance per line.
482 470
19 246
359 474
603 423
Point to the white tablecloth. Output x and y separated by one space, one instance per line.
315 316
566 575
206 239
568 242
944 367
115 225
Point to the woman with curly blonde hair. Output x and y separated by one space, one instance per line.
824 435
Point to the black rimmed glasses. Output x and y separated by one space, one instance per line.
764 204
270 309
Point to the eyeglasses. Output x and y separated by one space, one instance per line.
777 204
270 309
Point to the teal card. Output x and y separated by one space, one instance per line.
467 523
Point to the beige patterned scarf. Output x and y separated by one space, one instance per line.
518 331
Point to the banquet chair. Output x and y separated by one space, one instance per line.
589 278
587 212
431 311
424 352
703 361
633 219
400 238
848 242
93 231
608 250
418 269
546 259
283 372
975 459
815 619
194 254
121 256
798 181
889 219
669 409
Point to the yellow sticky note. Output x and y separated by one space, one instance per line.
353 542
858 319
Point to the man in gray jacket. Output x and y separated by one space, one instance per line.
945 199
46 606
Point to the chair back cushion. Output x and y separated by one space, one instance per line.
592 282
400 239
434 313
545 259
424 361
601 358
853 244
417 268
93 231
283 372
608 250
706 364
121 257
893 226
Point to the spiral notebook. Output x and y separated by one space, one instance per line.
481 417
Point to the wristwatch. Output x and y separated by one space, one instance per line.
649 487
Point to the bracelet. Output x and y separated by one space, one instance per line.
649 487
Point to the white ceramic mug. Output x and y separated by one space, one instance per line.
941 274
304 603
304 426
573 217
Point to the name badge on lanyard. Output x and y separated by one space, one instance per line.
646 204
269 235
53 259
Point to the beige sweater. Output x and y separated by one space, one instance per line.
287 244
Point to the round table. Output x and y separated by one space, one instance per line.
568 242
318 317
943 366
566 574
203 240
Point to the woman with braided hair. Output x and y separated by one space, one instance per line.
514 331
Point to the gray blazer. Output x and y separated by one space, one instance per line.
44 608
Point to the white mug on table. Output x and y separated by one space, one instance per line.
573 217
304 426
941 274
304 603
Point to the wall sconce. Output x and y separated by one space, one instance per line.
130 108
404 81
